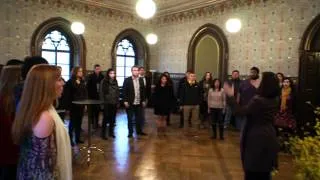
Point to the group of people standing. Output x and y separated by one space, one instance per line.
39 147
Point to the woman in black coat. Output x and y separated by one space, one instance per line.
75 90
259 145
163 99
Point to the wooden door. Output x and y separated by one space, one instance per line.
309 86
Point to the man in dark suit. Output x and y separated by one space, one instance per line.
181 84
93 86
134 100
147 85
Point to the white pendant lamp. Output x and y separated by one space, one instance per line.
146 8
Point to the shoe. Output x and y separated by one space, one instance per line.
104 138
142 134
80 142
130 136
112 135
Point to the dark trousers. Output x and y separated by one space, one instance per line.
76 115
168 119
257 175
109 116
181 119
8 172
94 115
136 112
217 121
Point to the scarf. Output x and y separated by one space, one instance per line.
64 162
285 93
191 82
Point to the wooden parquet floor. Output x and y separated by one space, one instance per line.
174 157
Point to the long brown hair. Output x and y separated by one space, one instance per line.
9 78
38 95
75 71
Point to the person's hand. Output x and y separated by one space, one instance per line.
180 108
144 104
229 90
126 104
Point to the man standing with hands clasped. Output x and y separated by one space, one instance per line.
134 100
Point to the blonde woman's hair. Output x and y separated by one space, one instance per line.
9 78
38 95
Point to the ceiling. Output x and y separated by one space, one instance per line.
164 7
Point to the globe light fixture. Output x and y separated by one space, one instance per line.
152 38
233 25
77 28
146 8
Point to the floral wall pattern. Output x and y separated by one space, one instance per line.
20 18
269 38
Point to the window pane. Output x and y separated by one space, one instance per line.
120 71
63 58
128 71
49 56
63 45
130 61
56 36
120 81
120 61
125 43
47 44
65 69
120 51
66 78
130 52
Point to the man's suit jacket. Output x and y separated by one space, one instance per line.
147 87
128 91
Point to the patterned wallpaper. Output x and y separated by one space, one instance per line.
20 18
269 38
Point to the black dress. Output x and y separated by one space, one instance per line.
163 100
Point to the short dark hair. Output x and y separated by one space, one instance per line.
96 65
237 71
141 67
255 69
29 62
134 67
14 62
269 86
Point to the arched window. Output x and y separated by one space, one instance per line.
54 40
126 58
56 50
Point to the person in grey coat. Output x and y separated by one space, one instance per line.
109 93
259 145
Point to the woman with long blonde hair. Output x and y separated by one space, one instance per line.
45 151
9 78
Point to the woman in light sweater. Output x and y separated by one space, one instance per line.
216 107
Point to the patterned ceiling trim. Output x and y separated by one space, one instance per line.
180 12
89 7
204 11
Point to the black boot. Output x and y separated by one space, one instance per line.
214 131
221 132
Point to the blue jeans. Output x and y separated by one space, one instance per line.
228 116
240 121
